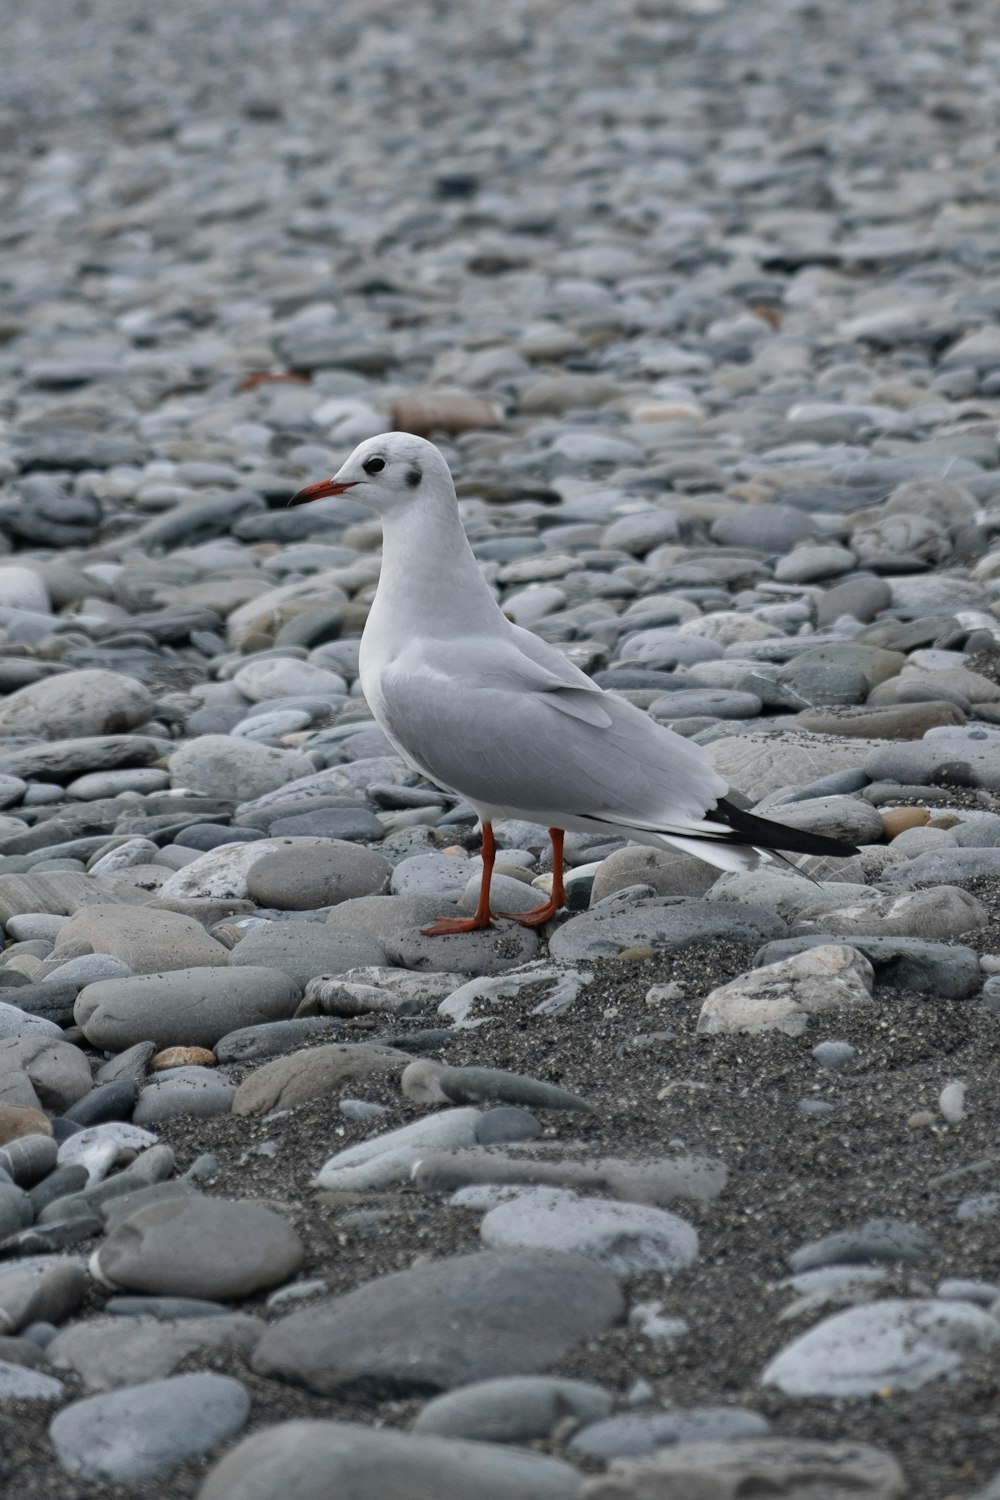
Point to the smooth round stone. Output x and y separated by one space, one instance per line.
512 1410
29 1158
16 1210
875 1240
628 1434
490 950
667 874
15 1022
128 1435
809 564
302 950
20 1383
423 1327
198 1092
661 924
273 1038
200 1247
99 784
75 704
392 1155
221 766
40 1070
668 648
286 677
148 941
353 823
442 875
31 925
300 879
978 1206
691 703
205 836
475 1085
835 1055
188 1007
766 528
271 726
507 1123
901 1342
87 969
628 1238
109 1101
167 1308
318 1460
291 1080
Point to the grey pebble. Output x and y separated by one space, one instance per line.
129 1435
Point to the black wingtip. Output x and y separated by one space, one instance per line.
765 833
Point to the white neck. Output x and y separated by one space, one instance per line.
430 583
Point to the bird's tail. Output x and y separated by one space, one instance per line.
735 840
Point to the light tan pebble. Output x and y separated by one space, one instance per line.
182 1057
641 950
898 819
419 1082
663 994
944 820
921 1118
20 1119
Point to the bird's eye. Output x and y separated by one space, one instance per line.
374 466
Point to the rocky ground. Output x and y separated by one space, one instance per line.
697 1190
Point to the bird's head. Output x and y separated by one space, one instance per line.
385 472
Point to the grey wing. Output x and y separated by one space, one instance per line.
548 751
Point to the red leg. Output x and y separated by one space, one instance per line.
482 915
544 913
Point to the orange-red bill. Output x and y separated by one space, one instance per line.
320 491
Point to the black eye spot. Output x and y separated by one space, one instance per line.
413 477
373 465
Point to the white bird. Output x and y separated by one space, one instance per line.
494 713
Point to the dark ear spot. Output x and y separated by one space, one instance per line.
413 477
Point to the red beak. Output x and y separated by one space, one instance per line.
320 491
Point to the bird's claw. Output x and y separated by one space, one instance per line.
445 925
536 917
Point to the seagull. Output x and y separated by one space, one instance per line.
494 713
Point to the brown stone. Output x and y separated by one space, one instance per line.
436 411
20 1119
898 819
182 1057
895 721
298 1076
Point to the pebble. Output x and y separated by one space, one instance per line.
200 1247
897 1343
186 1007
355 1459
389 1157
514 1409
107 1353
782 1466
630 1239
292 1079
420 1329
126 1436
632 1433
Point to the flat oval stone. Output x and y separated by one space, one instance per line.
128 1435
423 1328
317 1460
200 1247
